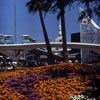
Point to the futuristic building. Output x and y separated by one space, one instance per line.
89 33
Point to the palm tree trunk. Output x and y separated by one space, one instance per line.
65 54
50 54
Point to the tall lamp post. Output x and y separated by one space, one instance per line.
15 18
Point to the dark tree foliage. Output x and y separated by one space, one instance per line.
92 8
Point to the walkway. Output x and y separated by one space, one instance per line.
20 49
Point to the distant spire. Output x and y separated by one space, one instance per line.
60 29
59 38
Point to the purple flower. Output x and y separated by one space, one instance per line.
24 84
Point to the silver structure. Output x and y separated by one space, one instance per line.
89 33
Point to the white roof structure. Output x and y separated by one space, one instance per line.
25 36
28 37
7 35
1 35
94 24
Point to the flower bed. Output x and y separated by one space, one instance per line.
24 85
8 94
83 69
60 89
53 82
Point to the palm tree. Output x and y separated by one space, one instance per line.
60 5
41 6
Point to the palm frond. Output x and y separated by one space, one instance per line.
35 5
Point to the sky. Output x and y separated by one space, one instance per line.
29 24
